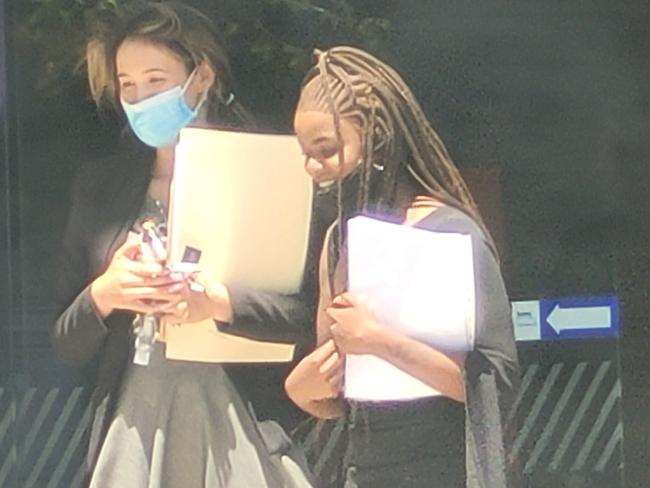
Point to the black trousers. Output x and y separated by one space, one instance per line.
406 445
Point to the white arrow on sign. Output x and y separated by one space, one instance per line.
580 318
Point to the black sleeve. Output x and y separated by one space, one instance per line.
491 378
271 316
495 345
77 332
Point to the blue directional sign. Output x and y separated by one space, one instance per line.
576 318
566 318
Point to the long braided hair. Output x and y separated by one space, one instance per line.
399 140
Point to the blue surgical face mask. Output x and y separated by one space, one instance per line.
157 120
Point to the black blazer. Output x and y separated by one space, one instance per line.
106 198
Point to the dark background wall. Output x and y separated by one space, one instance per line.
555 95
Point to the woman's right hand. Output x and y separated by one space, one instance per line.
130 283
319 376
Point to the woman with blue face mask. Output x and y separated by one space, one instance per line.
158 422
158 118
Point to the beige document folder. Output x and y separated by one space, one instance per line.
240 209
203 342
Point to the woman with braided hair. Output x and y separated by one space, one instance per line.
365 135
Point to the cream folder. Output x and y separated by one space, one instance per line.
417 282
240 211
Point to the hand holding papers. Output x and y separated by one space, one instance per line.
240 211
417 282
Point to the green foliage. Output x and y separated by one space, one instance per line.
52 34
270 42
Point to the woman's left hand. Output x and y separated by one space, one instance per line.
200 299
355 329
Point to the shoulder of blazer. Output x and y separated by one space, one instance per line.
102 180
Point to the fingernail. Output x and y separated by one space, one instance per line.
197 287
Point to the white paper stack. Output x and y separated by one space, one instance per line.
417 282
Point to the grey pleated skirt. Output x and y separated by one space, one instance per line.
182 425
